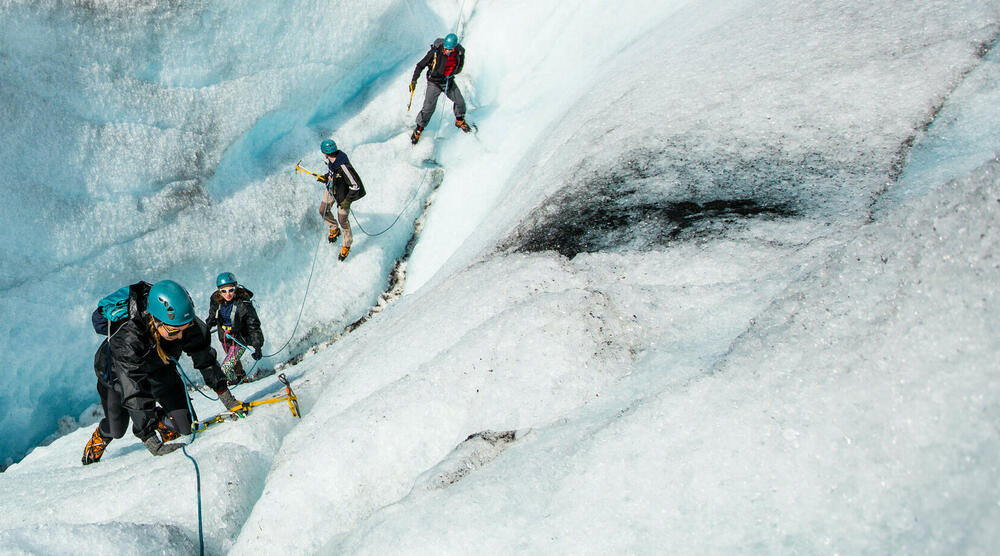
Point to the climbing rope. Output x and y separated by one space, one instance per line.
298 319
190 385
312 268
197 471
293 404
412 197
197 477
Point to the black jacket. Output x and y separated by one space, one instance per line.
246 324
129 363
434 62
342 181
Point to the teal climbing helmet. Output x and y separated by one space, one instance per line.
170 303
225 278
328 146
450 40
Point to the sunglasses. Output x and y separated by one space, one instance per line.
227 290
174 330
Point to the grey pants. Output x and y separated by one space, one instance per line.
431 97
343 210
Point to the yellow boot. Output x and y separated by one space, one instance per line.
95 447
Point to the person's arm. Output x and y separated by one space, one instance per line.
213 313
421 65
254 335
198 346
351 176
460 63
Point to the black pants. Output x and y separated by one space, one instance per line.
167 389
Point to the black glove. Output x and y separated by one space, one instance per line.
232 404
413 85
321 179
158 448
257 354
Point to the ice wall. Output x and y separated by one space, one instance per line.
146 140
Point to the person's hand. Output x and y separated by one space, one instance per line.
413 86
158 448
321 179
257 354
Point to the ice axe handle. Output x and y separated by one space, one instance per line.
301 169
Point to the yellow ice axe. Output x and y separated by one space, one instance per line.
319 177
290 397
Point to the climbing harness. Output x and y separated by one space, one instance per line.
298 319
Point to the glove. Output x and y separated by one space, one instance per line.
158 448
256 354
321 179
232 404
413 86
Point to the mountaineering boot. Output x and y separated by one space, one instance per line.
334 233
232 404
344 252
95 447
158 448
460 124
416 134
166 433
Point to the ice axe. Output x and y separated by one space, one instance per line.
320 178
412 88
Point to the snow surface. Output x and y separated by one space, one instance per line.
711 277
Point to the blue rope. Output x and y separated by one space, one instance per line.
190 385
197 476
197 472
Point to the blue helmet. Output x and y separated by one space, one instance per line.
450 40
170 303
225 278
328 146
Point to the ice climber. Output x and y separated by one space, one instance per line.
343 187
230 309
443 62
136 371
